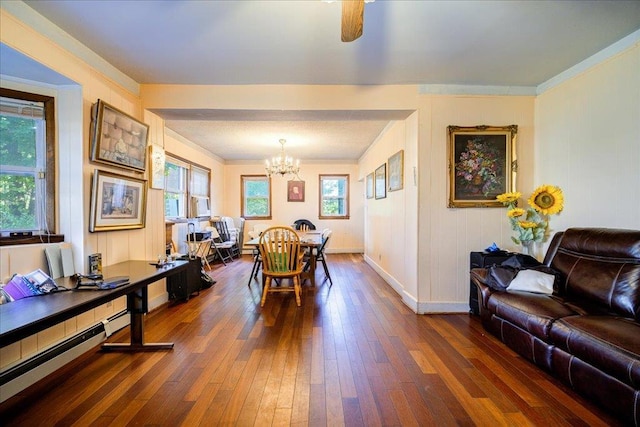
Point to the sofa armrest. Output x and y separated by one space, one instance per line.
479 278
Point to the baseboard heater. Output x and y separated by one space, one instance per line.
55 351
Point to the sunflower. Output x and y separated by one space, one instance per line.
515 212
528 224
547 199
508 197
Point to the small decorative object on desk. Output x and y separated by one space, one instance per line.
95 263
531 224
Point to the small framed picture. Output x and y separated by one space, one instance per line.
117 202
156 167
381 181
396 171
370 186
295 191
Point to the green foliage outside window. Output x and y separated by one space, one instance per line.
334 193
256 197
17 173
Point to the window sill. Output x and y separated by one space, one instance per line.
31 240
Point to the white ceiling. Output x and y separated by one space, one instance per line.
480 43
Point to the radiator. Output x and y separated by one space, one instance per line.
27 372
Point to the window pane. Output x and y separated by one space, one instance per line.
174 177
175 194
334 196
256 200
18 142
18 202
199 182
22 157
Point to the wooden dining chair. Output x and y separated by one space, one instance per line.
320 257
281 259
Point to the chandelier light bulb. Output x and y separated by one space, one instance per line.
282 165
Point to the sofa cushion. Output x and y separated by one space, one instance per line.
611 344
534 313
602 266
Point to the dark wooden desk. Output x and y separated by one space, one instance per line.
310 239
25 317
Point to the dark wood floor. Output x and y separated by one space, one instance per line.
352 355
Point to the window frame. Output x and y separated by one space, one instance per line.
243 179
189 182
50 196
321 197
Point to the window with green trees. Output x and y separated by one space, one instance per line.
27 163
334 197
183 179
256 196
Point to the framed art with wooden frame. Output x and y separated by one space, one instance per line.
482 164
370 186
396 171
381 181
295 191
117 202
117 138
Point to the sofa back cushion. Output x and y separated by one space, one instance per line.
602 266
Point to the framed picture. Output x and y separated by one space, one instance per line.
381 181
156 167
396 171
295 191
370 186
117 138
482 164
117 202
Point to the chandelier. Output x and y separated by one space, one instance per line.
282 165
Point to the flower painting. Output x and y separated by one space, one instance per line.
482 164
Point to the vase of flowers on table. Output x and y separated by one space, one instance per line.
531 224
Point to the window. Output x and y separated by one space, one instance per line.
334 197
27 162
182 181
256 196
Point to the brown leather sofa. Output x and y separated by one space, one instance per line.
587 333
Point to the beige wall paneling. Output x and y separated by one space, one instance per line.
587 143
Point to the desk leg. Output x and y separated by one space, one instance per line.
137 307
311 274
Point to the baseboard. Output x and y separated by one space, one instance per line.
26 373
443 307
410 301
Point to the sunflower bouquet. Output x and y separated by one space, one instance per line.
531 224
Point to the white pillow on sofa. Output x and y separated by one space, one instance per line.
532 281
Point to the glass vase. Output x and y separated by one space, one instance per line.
527 247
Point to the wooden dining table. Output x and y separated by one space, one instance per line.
312 240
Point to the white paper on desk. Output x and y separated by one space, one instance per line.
68 267
54 260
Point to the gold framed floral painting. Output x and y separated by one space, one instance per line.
482 164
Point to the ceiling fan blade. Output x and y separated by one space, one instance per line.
352 17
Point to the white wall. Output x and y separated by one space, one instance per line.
390 222
588 143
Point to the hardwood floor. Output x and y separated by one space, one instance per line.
352 355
